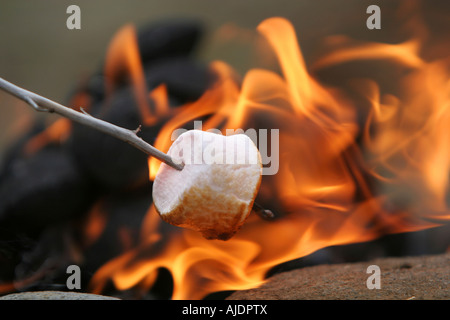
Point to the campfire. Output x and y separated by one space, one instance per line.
355 146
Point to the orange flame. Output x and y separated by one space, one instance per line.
58 131
331 189
123 58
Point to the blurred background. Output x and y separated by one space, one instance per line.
39 53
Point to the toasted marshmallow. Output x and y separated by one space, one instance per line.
215 191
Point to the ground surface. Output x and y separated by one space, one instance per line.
418 278
426 277
55 295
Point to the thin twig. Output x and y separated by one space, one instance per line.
42 104
266 214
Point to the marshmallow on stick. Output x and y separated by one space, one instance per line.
215 191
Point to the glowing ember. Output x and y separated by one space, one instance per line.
340 181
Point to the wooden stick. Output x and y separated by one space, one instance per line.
42 104
266 214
